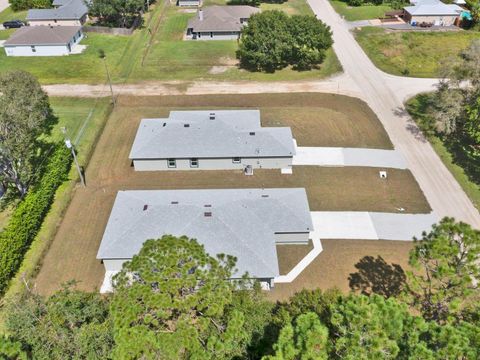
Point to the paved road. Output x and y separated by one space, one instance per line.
444 194
337 156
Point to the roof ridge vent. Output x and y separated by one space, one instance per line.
207 205
186 125
207 214
174 202
252 133
212 116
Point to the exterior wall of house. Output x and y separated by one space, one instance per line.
43 50
445 20
292 238
234 35
188 3
214 164
114 264
51 22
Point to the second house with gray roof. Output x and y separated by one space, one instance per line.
211 140
219 22
63 13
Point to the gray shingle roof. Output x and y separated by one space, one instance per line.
242 223
432 8
68 10
42 35
221 18
233 133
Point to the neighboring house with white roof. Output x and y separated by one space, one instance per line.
432 12
64 13
219 22
43 41
189 2
211 140
245 223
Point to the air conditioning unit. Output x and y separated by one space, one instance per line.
248 170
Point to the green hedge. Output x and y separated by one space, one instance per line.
28 217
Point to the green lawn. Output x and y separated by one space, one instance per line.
172 58
418 109
158 52
9 14
365 12
291 7
416 54
81 68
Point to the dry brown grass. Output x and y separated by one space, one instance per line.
334 265
290 255
72 254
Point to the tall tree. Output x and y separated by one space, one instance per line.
170 301
116 13
25 115
447 272
69 325
265 42
307 339
311 39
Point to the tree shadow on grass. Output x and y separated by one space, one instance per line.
375 276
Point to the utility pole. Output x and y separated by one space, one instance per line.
69 145
102 56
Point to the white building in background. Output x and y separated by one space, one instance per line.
245 223
43 41
211 140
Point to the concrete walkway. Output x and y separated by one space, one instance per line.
333 156
379 90
297 270
370 225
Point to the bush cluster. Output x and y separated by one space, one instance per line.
18 5
28 217
272 41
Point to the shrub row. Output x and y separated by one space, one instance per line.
27 218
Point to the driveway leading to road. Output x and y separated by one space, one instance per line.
443 192
370 225
335 156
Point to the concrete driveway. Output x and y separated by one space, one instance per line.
370 225
379 90
334 156
3 5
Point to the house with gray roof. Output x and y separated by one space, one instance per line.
211 140
245 223
433 12
63 13
43 41
219 22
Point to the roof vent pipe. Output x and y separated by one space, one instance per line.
200 14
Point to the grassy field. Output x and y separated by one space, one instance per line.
416 54
341 259
365 12
82 68
171 58
417 109
84 119
72 254
9 14
158 52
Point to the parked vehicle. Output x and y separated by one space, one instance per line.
13 24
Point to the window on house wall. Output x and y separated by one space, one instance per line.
172 163
194 163
236 160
